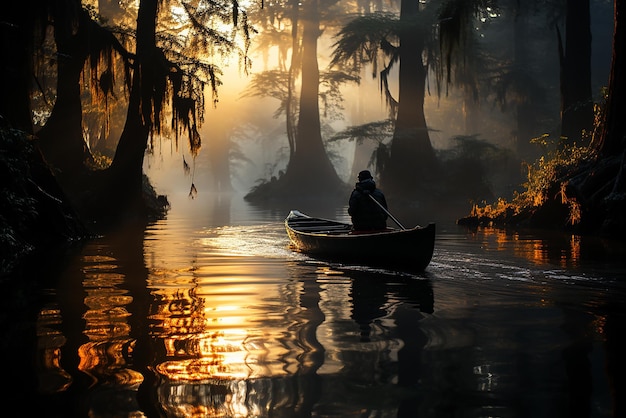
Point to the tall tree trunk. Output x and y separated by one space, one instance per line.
61 138
295 57
525 115
363 147
127 166
412 159
612 138
576 97
310 168
218 149
220 165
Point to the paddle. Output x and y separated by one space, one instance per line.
387 212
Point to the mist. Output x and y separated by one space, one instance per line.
244 139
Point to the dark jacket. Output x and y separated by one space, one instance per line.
365 213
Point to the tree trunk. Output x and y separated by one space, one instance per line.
127 167
295 57
61 139
612 139
310 168
613 135
218 151
412 158
363 147
603 187
576 97
526 110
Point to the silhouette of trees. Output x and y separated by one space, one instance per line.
575 63
307 152
166 62
581 188
20 25
78 37
166 75
611 140
410 43
169 71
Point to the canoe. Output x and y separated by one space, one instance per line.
410 249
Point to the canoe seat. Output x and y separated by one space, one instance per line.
321 227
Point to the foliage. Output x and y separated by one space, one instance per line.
546 180
364 38
375 38
457 31
16 206
99 161
371 39
470 146
379 131
474 166
330 94
192 37
270 84
32 211
274 84
553 167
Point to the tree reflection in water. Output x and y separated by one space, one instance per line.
204 325
213 341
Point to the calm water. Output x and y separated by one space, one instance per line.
209 313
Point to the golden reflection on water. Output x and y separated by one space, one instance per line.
236 327
213 330
224 336
228 325
52 377
104 356
538 250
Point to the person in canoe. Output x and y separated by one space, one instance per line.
365 213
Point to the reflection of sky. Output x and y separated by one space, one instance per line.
226 315
231 316
232 325
239 308
239 322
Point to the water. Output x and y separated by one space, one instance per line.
209 313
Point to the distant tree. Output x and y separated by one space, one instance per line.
310 155
579 187
409 42
307 152
280 26
575 63
520 74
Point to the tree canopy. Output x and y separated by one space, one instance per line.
154 63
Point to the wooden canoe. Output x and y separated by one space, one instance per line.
334 240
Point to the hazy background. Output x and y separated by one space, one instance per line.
245 133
